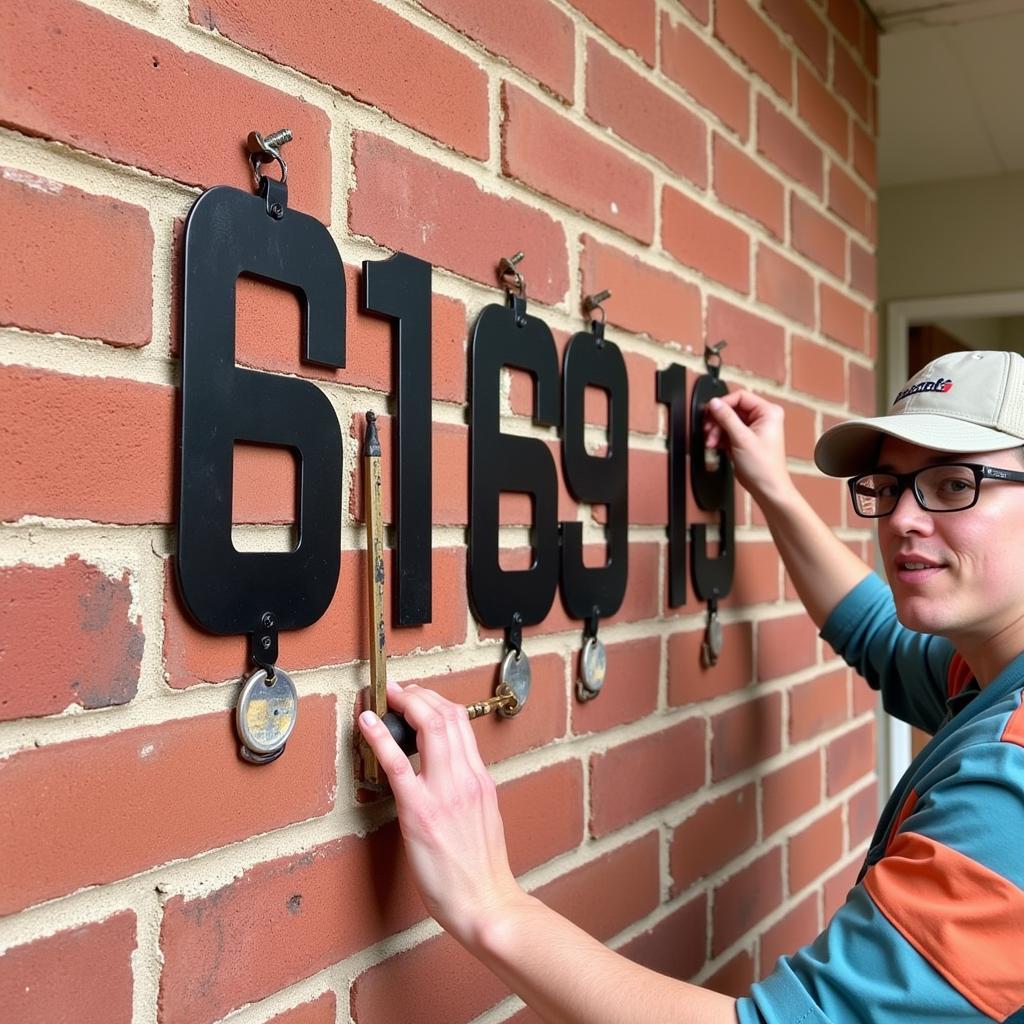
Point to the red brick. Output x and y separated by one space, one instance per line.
849 201
755 344
704 241
790 933
339 637
743 900
790 791
645 115
547 151
82 974
757 575
643 298
846 16
801 22
75 447
801 434
850 82
101 287
785 286
863 394
713 835
635 778
632 26
605 895
745 735
838 887
869 49
355 48
540 40
818 371
409 203
850 757
817 706
815 849
700 9
321 1010
862 814
690 680
825 115
865 157
166 791
788 147
630 690
102 86
744 185
68 637
754 41
828 497
817 237
675 946
735 977
863 271
710 80
843 319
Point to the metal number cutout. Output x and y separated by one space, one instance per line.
671 389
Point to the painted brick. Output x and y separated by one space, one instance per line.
645 115
192 655
68 637
741 183
819 108
454 223
704 241
78 447
82 974
788 147
713 835
690 680
828 497
356 48
322 1010
675 945
846 16
862 814
817 237
757 575
643 298
755 344
105 87
605 895
735 977
547 151
815 849
799 20
863 271
100 287
540 40
817 370
843 319
790 791
838 887
743 900
850 757
865 156
643 775
790 933
848 201
710 80
630 690
850 82
863 393
745 735
801 433
785 286
755 42
817 706
632 26
180 785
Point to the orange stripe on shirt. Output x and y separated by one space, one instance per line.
958 675
965 920
905 812
1014 731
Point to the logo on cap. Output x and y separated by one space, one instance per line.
941 384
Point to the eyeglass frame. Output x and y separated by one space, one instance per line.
909 480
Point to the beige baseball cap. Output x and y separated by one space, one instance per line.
961 402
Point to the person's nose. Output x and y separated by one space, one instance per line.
908 516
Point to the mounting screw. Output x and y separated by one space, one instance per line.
268 620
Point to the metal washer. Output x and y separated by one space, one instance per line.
266 713
593 666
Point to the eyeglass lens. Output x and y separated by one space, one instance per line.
939 489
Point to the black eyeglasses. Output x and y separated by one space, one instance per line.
947 487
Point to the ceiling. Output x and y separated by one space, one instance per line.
952 74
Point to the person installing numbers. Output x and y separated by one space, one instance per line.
930 929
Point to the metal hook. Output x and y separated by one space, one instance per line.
713 355
594 302
266 150
507 269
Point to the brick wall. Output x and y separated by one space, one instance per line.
709 161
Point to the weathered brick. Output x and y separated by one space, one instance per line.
166 791
848 201
68 637
817 706
757 575
645 115
801 434
690 680
632 26
81 974
817 237
863 392
822 111
814 850
850 757
817 370
754 41
735 977
862 814
799 20
72 73
705 241
850 82
863 271
843 319
790 933
675 945
865 156
101 287
744 185
322 1010
409 203
785 286
690 62
837 888
745 735
547 151
827 496
788 147
630 690
790 791
635 778
847 17
713 835
356 48
755 344
744 899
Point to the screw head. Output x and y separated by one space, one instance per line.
268 620
265 642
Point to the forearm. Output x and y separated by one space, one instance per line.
568 977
